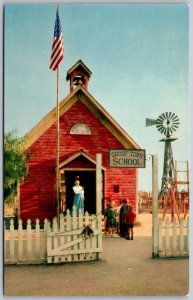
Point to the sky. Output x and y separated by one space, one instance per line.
138 55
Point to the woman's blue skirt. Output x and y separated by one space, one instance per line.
79 202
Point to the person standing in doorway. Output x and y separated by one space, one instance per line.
78 196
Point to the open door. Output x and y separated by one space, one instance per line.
88 181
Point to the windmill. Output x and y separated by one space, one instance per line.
167 123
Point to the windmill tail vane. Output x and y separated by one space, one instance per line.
150 122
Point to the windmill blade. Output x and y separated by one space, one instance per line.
164 115
176 121
173 116
170 115
161 118
176 124
173 128
159 126
161 129
165 131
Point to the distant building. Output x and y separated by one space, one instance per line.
86 128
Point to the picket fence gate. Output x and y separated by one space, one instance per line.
53 243
173 238
69 243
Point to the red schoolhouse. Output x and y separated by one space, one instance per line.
86 129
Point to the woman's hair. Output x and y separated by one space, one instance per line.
109 205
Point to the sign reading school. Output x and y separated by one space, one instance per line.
126 158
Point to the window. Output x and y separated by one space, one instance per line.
80 128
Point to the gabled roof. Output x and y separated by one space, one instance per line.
79 65
76 155
80 93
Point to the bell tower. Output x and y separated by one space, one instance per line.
79 74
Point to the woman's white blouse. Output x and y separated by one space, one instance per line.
78 189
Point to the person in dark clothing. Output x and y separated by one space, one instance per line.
123 211
129 220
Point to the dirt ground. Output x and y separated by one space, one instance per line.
126 269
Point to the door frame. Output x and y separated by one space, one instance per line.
63 170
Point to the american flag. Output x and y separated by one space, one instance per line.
58 45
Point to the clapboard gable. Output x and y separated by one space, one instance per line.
82 95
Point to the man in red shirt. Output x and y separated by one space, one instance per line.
129 220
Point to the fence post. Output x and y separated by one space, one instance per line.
160 236
46 230
20 240
12 246
98 183
68 228
55 225
174 237
188 236
181 236
5 242
80 225
37 231
74 227
29 235
167 236
99 198
155 251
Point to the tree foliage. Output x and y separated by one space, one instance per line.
15 164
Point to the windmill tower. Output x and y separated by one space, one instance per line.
166 123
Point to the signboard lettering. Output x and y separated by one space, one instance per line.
126 158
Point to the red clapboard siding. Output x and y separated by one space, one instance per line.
37 193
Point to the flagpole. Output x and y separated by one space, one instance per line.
57 148
58 143
56 57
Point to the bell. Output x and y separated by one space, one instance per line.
78 80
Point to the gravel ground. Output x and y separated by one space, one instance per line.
126 269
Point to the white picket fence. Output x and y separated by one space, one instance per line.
173 238
51 244
68 244
25 245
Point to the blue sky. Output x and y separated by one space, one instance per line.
138 54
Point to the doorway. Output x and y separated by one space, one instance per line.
88 182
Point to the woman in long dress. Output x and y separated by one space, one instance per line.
78 196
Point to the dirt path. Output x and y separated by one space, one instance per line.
126 269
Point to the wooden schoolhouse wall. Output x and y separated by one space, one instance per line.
37 196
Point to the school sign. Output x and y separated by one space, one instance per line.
126 158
